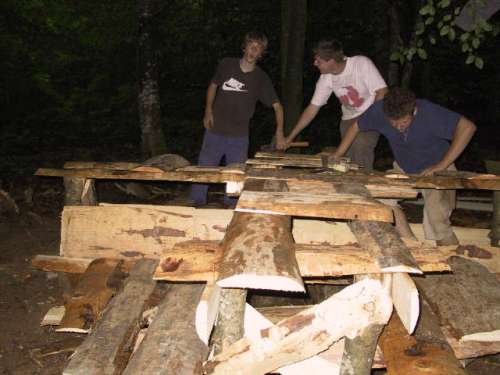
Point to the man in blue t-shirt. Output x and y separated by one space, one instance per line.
425 138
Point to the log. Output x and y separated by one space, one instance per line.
403 354
466 302
95 288
171 345
79 191
308 332
259 254
359 351
334 206
384 244
108 346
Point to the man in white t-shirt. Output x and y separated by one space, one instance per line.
357 83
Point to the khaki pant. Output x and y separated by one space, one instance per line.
362 150
438 206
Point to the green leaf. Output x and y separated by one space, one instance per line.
447 18
457 11
476 42
422 53
432 40
395 56
452 34
420 28
464 37
429 20
444 30
478 62
444 3
466 47
425 10
470 59
420 43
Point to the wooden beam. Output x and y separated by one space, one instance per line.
198 175
90 296
108 346
171 344
403 354
338 206
259 254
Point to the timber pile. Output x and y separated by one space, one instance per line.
131 258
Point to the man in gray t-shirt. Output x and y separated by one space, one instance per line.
236 87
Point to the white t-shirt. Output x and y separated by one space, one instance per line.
355 87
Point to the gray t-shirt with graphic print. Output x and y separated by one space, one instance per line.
236 97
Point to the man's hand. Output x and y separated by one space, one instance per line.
281 143
432 169
208 120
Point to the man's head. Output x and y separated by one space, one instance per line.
329 56
399 107
254 46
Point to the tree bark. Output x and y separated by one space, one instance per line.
293 30
152 141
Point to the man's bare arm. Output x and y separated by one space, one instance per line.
279 117
380 93
305 119
208 118
349 137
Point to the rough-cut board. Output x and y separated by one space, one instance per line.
405 297
259 254
90 296
457 180
304 161
192 175
53 263
467 302
171 345
108 346
376 191
403 354
385 246
337 205
307 333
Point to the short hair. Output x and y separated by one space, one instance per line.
328 49
255 36
399 102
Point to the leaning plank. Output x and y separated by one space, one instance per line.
106 349
386 247
466 302
90 296
54 263
308 332
405 297
403 354
171 345
337 205
259 254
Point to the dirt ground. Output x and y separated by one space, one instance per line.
27 294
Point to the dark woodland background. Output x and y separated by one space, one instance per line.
69 72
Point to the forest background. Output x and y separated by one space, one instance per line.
73 72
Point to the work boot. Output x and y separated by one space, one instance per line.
451 240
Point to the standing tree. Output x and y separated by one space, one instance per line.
293 31
152 141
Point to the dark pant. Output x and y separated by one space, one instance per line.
214 148
362 150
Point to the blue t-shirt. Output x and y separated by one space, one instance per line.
426 140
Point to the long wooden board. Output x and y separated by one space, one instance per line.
338 206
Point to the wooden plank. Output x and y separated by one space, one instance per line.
171 345
100 165
338 206
460 180
466 302
259 254
303 161
403 354
54 263
198 175
307 333
107 347
90 296
123 231
384 244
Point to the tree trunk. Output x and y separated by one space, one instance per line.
395 43
152 141
293 30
